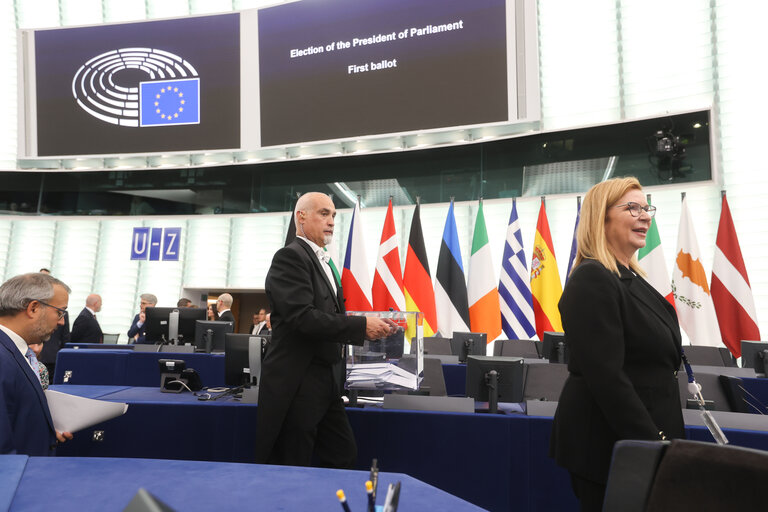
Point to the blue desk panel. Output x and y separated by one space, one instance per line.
11 471
84 484
129 368
498 462
92 366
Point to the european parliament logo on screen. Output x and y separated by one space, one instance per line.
169 96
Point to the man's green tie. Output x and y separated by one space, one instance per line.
334 269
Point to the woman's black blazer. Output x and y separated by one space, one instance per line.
624 347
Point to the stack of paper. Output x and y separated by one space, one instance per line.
379 375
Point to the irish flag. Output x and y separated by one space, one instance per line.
483 297
651 258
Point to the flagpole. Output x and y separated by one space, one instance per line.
682 196
648 198
543 201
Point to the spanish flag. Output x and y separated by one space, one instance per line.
419 293
545 278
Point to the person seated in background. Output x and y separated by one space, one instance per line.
31 306
137 333
184 303
223 303
259 322
211 314
267 329
85 328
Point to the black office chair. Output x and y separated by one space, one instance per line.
662 475
544 381
515 348
435 346
726 394
708 356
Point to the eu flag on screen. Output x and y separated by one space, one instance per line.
169 102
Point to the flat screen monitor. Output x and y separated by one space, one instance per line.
753 354
554 347
242 358
437 346
209 335
464 344
509 379
158 324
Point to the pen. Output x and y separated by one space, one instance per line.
375 477
388 498
343 500
371 501
395 497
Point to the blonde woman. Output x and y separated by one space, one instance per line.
623 339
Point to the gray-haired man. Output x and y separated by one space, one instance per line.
32 306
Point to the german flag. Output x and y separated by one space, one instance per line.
419 294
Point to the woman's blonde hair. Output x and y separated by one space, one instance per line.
590 236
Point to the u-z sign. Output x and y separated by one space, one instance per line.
156 244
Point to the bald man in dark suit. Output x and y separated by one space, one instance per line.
301 418
86 328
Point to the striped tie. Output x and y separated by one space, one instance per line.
33 361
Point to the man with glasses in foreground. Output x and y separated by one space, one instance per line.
32 306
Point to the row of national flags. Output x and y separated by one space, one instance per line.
522 304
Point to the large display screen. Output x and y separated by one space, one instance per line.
346 68
307 71
171 85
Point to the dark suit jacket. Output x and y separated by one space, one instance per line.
26 426
308 324
56 342
227 316
86 328
624 344
135 329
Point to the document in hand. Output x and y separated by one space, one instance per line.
71 413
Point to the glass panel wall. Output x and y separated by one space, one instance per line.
671 149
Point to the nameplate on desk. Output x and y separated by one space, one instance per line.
429 403
543 408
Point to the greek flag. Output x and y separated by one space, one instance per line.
516 302
170 102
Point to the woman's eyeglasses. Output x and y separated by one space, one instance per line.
635 209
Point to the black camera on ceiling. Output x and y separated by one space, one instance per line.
669 146
666 152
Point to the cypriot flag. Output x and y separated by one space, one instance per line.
695 309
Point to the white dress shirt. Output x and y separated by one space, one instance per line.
323 257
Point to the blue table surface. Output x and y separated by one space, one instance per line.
104 484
